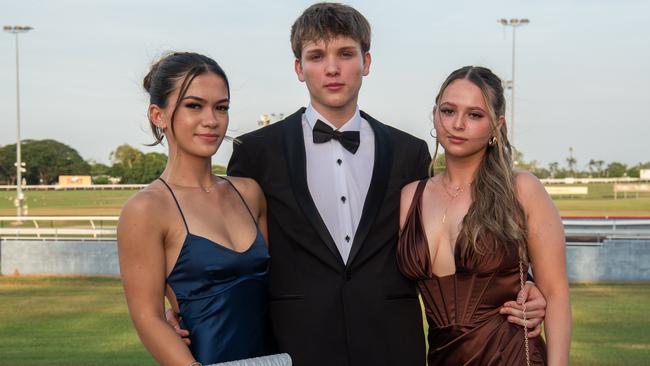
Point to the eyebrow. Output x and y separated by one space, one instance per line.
471 107
203 100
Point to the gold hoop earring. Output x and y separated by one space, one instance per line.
492 141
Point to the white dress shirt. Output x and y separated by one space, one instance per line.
338 180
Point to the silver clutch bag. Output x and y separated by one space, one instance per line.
281 359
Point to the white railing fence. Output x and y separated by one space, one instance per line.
75 187
98 227
58 226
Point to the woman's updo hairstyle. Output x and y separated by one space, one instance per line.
163 76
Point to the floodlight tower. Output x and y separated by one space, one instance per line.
20 196
514 23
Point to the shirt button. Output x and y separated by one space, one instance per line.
343 199
339 161
347 238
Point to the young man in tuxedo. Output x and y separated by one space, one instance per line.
332 176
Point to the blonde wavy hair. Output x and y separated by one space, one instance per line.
495 218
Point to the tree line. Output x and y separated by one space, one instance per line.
46 159
592 169
572 168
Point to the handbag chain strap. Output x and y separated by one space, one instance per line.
521 280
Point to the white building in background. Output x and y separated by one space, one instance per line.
644 174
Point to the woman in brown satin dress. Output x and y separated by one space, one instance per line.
469 234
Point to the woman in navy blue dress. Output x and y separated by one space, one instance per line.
190 236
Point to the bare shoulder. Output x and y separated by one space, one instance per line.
247 186
526 182
146 207
530 189
408 191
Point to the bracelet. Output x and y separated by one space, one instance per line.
195 363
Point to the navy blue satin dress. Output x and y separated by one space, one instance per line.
222 296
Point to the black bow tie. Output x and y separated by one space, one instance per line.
348 139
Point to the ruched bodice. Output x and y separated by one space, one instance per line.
462 309
467 297
222 297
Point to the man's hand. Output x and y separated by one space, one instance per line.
535 309
174 320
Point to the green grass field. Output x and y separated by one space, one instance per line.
68 203
599 202
610 324
84 321
66 321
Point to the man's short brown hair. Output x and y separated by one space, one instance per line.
325 21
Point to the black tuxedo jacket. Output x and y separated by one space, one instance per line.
323 311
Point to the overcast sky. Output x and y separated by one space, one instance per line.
583 67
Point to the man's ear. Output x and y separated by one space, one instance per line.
297 65
366 63
156 116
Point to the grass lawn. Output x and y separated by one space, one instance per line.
84 321
610 324
599 202
604 207
68 203
66 321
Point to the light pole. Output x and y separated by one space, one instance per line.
514 23
20 196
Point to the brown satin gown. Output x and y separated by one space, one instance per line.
462 309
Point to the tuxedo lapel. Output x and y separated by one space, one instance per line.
378 183
295 156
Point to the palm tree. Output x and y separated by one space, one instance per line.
599 167
591 166
554 167
571 162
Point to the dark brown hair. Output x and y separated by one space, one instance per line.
325 21
161 80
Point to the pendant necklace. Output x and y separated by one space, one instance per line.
207 189
455 192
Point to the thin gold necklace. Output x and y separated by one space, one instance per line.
455 192
205 189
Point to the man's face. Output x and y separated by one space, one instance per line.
333 71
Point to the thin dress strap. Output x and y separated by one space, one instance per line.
177 205
242 198
413 256
417 198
